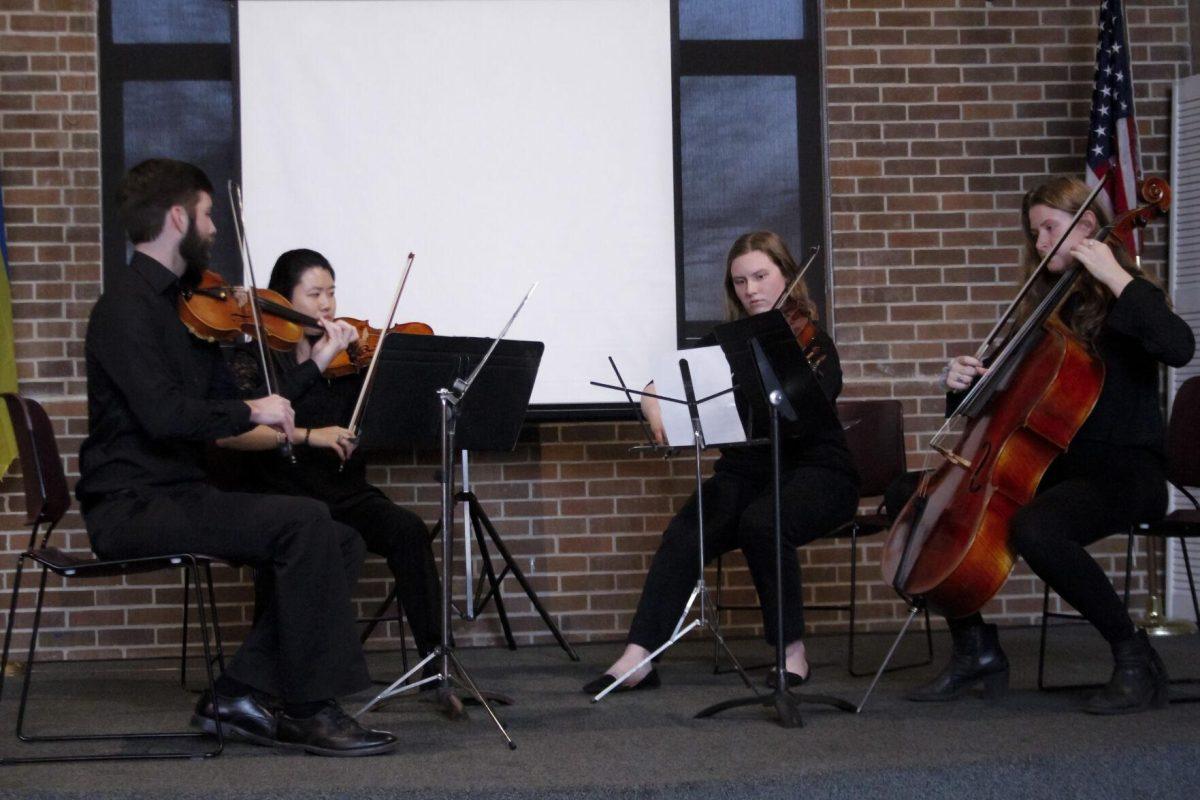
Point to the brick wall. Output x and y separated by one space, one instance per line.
940 114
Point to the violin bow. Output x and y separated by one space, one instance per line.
369 378
787 292
269 377
461 386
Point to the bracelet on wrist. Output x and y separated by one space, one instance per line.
307 433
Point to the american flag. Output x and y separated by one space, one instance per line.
1112 138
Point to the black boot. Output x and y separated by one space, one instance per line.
1138 682
977 658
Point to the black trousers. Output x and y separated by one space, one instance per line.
1088 493
401 537
739 514
303 646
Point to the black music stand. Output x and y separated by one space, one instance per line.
760 349
436 373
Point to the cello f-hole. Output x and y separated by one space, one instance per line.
981 467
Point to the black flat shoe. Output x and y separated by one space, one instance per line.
651 681
242 717
793 680
332 732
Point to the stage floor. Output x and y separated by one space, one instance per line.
648 745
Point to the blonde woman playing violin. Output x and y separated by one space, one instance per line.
819 489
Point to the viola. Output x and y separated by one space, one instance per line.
949 544
216 311
801 324
805 330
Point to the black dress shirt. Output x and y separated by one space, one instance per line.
319 402
156 393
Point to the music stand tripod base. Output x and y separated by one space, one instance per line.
747 343
433 365
703 620
706 612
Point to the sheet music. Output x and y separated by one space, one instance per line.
710 374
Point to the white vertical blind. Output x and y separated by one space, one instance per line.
1185 289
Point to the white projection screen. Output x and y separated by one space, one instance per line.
502 141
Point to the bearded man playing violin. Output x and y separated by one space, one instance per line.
156 397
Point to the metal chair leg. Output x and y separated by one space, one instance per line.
191 565
183 639
717 617
12 615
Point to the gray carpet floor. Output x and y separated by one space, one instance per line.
647 745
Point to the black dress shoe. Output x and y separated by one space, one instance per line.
332 732
597 685
243 717
793 679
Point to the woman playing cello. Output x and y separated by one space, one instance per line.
819 486
1112 474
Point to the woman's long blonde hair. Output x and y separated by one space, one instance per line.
772 247
1087 316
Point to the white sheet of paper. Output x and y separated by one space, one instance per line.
710 374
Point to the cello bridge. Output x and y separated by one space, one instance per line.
952 457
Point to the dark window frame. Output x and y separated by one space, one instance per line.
150 62
796 58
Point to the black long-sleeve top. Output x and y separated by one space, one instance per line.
156 393
1139 333
318 402
806 444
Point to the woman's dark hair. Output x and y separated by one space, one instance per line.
151 188
292 265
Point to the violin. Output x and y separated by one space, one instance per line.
949 545
803 328
358 356
217 312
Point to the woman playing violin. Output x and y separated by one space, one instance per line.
1111 476
819 487
326 466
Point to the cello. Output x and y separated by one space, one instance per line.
948 547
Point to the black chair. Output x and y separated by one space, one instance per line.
46 501
1183 470
875 437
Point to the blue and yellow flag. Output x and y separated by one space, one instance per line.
8 359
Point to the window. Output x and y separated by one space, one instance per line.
749 133
166 89
750 149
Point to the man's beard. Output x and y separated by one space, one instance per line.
196 253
